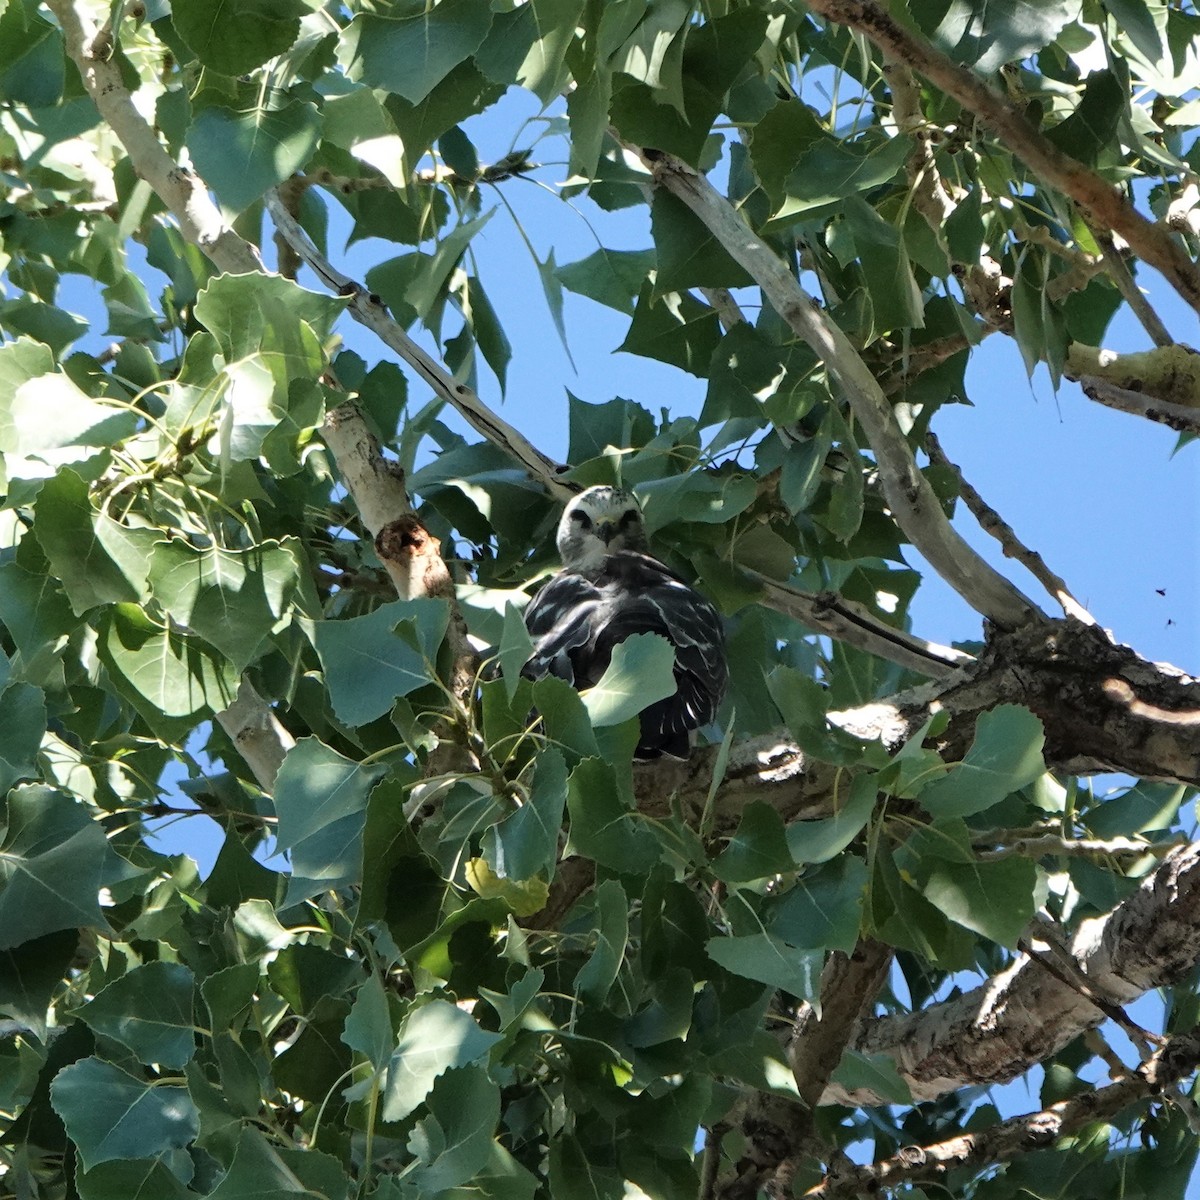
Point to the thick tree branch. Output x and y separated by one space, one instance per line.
368 310
1007 1139
780 1131
995 1032
911 499
1103 206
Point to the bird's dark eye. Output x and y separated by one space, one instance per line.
585 522
629 517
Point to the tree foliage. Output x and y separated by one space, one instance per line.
448 948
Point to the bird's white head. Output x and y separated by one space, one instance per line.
598 522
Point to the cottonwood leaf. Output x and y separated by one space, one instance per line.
111 1115
149 1010
641 672
1005 755
433 1038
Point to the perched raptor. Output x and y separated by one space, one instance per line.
610 587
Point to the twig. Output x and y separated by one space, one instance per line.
1102 205
728 312
1173 1062
1180 417
1119 271
911 499
993 524
828 613
1062 965
369 311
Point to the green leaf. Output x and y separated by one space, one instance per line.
48 422
454 1141
576 1174
231 598
1135 21
688 254
97 560
131 1179
985 37
874 1073
260 1170
240 154
896 301
489 333
819 841
642 671
50 866
611 922
413 52
594 428
371 660
824 909
1005 755
30 973
516 648
564 718
674 329
831 170
234 39
758 850
433 1039
525 843
1089 131
603 827
610 277
995 899
369 1025
321 799
766 959
168 679
111 1115
24 708
149 1010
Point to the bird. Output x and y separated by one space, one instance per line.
611 587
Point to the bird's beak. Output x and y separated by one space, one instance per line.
606 531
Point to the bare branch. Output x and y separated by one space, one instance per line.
1018 1135
1102 205
1182 418
369 311
908 493
726 307
994 525
828 613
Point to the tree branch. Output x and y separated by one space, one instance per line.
1103 206
179 189
993 524
1181 418
829 614
913 504
368 310
995 1032
1018 1135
